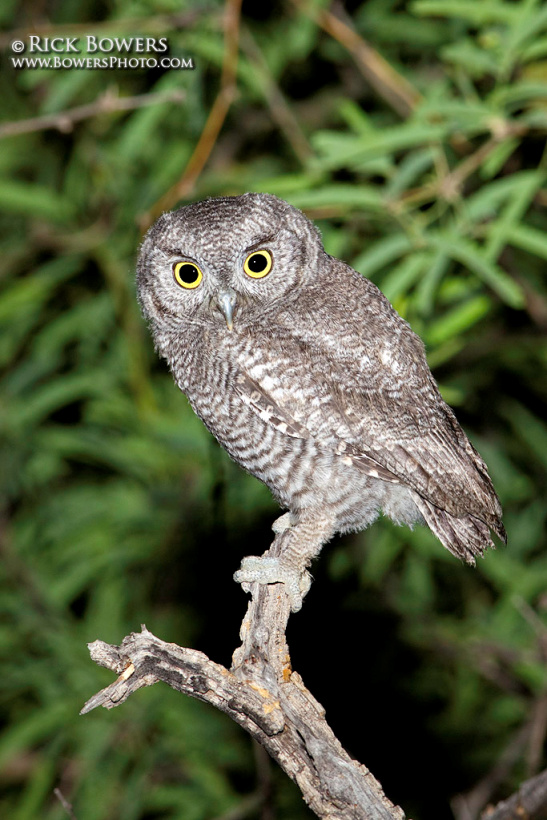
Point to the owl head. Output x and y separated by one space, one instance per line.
225 260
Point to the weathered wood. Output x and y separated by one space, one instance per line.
263 695
528 803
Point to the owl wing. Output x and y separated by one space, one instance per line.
269 411
420 461
363 390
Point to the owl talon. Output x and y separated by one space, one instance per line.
267 570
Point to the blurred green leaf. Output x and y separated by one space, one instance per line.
474 259
529 239
487 11
458 320
33 200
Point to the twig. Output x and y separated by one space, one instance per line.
531 616
107 103
530 735
64 803
450 187
538 719
391 86
263 695
215 120
538 730
247 807
280 110
448 184
529 803
467 806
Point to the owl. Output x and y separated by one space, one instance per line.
308 377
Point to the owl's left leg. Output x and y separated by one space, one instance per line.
298 540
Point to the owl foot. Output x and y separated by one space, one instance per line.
267 570
284 522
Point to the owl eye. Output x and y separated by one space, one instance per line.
258 264
187 275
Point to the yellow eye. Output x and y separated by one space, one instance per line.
187 275
258 264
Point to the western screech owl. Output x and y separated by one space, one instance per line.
311 381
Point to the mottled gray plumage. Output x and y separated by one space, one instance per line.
310 380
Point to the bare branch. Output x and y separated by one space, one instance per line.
263 695
280 110
142 660
529 803
468 806
105 104
391 86
64 803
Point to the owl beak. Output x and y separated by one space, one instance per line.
226 300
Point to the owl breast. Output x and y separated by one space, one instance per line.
301 474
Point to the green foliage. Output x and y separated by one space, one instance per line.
115 501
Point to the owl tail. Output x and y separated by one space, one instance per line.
466 536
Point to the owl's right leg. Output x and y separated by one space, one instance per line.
284 522
298 540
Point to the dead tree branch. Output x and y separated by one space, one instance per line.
528 803
263 695
269 700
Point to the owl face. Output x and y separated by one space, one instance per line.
225 261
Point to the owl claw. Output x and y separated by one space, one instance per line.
267 570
